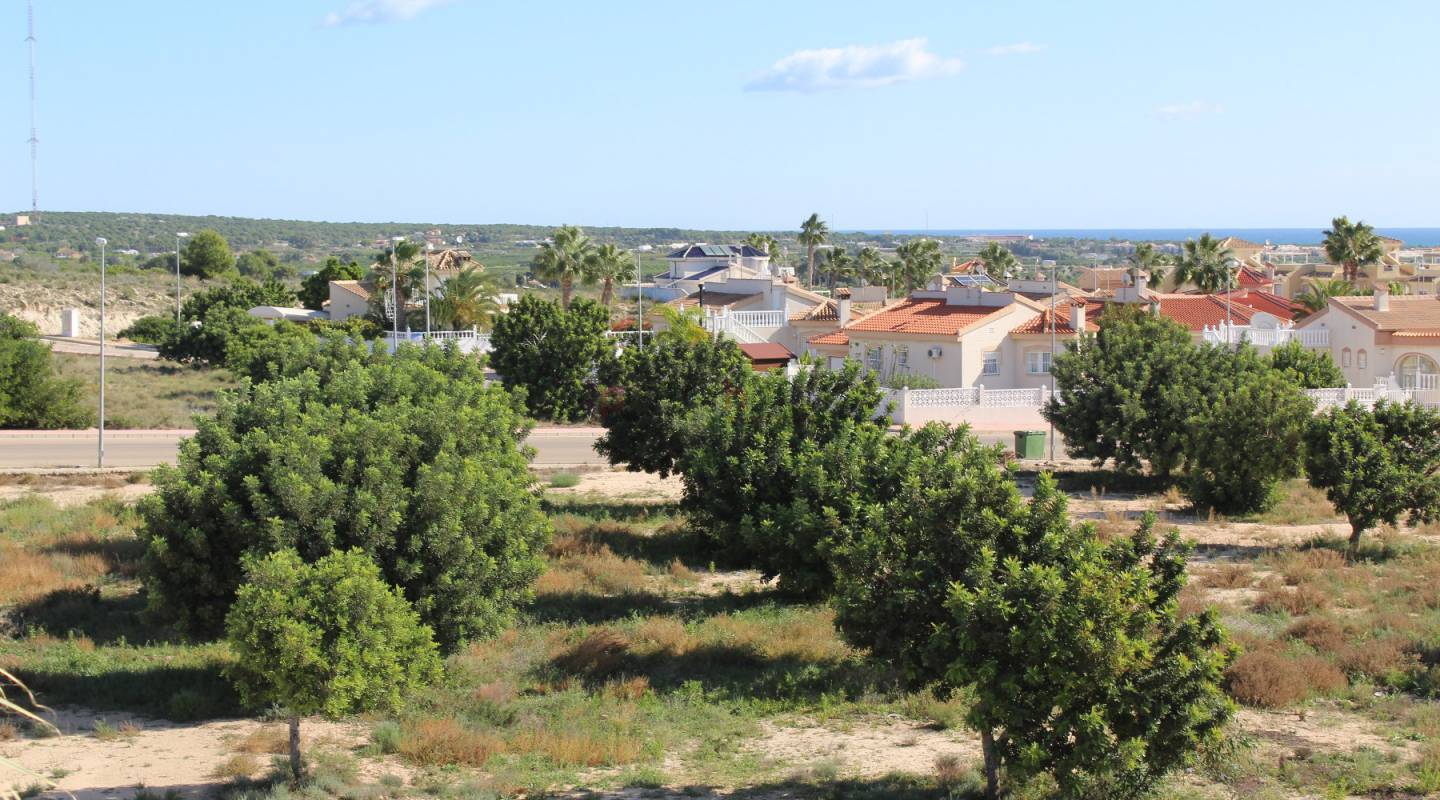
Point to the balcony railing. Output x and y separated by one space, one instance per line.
471 341
1266 337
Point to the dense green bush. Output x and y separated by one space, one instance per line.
207 255
315 289
744 457
32 395
1247 434
212 318
1376 465
410 457
649 390
553 354
1307 369
152 329
325 638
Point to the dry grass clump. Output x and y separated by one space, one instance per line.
578 748
269 740
628 689
662 635
682 573
600 652
26 575
1307 566
9 731
1376 658
1296 601
441 742
1299 504
496 692
45 548
810 637
950 772
581 562
1267 679
236 768
1229 576
1322 633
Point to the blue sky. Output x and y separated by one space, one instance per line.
741 114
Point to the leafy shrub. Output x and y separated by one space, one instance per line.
150 330
648 391
32 395
207 255
315 289
411 458
564 480
210 319
1305 368
553 354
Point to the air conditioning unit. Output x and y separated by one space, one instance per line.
936 352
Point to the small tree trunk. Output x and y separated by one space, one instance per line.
992 764
1355 531
565 293
297 767
810 262
607 295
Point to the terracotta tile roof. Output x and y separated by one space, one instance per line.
843 291
1409 315
925 316
1195 311
766 351
840 337
1251 278
828 311
354 287
1268 302
1041 324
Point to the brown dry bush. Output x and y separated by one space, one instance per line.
809 637
1229 576
236 768
269 740
26 575
1300 600
600 653
9 731
496 692
444 742
949 771
1322 633
1307 565
629 689
682 573
577 748
663 636
1267 679
1376 658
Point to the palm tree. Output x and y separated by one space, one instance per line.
408 274
813 233
683 325
1316 296
468 300
608 264
839 264
563 259
998 260
1146 260
919 259
1206 264
766 244
871 266
1352 245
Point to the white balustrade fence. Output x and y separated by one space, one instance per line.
471 341
1265 337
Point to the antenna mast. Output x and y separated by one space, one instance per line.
34 137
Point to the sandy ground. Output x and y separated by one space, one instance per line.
623 485
45 305
866 749
74 494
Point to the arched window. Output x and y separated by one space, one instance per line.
1345 357
1418 372
1362 359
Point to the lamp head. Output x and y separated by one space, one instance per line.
101 241
183 235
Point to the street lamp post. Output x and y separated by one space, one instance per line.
395 290
429 249
178 237
100 453
1053 288
639 302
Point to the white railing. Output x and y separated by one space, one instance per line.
1364 395
471 341
760 319
1422 382
944 397
1012 398
1265 337
627 338
742 325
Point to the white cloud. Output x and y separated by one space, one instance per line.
1194 108
382 11
854 67
1017 49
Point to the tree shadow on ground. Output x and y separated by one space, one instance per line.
889 787
87 611
592 609
163 691
1104 480
616 510
665 546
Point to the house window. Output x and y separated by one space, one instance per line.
1362 359
902 356
1345 357
992 363
872 358
1038 362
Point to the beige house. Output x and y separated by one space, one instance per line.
1379 338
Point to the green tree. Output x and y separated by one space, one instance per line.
410 457
150 329
813 233
1306 368
1316 296
999 261
607 265
839 264
1376 465
871 266
1206 264
210 319
207 255
468 299
920 259
32 394
766 244
398 277
1148 262
326 638
564 260
685 325
315 289
1246 435
1352 245
1126 393
1081 665
648 391
745 453
262 265
553 354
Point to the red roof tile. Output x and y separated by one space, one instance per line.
1195 311
925 316
1041 324
766 351
839 337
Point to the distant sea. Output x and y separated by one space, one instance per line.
1412 237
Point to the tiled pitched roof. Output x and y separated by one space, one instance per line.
1236 241
766 351
839 337
828 311
1268 302
716 251
1251 278
354 287
925 315
1041 324
1409 315
1196 311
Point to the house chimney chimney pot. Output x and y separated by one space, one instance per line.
1077 317
1382 297
842 311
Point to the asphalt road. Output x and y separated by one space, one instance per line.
143 449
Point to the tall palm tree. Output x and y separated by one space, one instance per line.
1316 296
607 265
682 325
766 244
998 260
468 300
839 264
871 265
813 233
1353 245
1206 264
398 269
919 259
1145 259
563 259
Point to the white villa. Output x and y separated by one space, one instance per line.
1375 338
